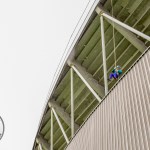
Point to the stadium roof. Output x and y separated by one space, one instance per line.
86 56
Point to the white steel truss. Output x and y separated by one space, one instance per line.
99 11
86 83
74 68
104 55
60 125
72 104
51 143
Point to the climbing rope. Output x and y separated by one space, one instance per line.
114 45
116 72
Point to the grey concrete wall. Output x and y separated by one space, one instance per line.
122 120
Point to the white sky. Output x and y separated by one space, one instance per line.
33 36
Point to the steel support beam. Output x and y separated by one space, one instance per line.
124 30
72 104
51 148
61 112
43 142
85 80
88 78
127 27
40 147
60 125
104 55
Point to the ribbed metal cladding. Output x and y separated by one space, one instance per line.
122 120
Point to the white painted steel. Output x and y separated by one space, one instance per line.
126 26
85 82
42 141
121 121
40 147
104 55
75 36
61 127
51 137
72 104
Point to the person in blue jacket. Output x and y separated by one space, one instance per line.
116 72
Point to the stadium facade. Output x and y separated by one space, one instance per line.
87 111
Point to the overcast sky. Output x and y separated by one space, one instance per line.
33 36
